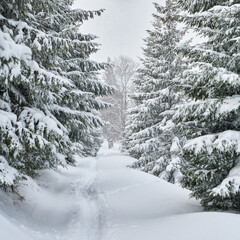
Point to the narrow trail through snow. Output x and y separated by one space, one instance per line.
87 214
88 219
102 199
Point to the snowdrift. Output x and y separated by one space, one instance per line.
103 199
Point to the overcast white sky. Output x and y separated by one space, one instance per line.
122 26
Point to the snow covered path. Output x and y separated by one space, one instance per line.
133 198
101 199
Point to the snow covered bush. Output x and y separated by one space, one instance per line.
48 86
149 134
210 119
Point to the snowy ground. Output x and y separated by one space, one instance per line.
101 199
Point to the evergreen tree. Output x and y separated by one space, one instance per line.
211 119
48 87
149 135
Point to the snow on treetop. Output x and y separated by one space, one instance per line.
219 141
34 115
8 174
231 182
5 106
10 50
175 145
226 76
229 104
197 144
2 17
7 118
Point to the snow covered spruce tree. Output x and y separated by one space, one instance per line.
149 135
47 87
211 120
77 108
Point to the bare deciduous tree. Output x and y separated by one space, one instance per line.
120 75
